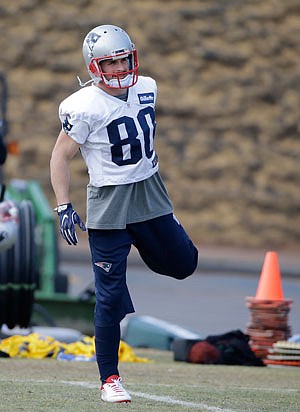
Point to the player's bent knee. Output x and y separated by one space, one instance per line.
183 275
186 270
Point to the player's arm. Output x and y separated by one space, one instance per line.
63 151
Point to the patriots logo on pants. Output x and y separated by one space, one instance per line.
104 265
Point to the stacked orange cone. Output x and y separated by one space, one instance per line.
269 310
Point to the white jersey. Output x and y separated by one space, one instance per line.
116 136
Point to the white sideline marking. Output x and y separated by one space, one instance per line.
163 399
168 399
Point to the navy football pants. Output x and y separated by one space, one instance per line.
165 248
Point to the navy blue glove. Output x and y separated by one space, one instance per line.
68 218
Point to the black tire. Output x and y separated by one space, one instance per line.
26 253
12 292
4 295
18 273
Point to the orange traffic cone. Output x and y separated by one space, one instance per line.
269 310
269 285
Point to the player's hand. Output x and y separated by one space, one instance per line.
68 218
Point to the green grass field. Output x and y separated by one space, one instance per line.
163 385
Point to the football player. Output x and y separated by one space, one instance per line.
112 123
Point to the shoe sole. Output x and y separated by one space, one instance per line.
123 401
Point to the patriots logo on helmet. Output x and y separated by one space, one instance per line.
91 39
104 265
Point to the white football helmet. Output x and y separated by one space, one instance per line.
110 42
9 224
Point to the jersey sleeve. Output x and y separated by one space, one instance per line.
73 124
155 90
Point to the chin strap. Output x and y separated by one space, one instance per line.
113 83
118 83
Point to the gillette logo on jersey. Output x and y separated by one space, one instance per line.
146 98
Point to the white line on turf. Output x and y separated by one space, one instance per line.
172 401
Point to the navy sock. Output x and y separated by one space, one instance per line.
107 341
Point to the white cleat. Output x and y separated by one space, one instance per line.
113 391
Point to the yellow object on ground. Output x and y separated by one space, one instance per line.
36 346
126 354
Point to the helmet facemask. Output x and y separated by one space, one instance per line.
119 80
